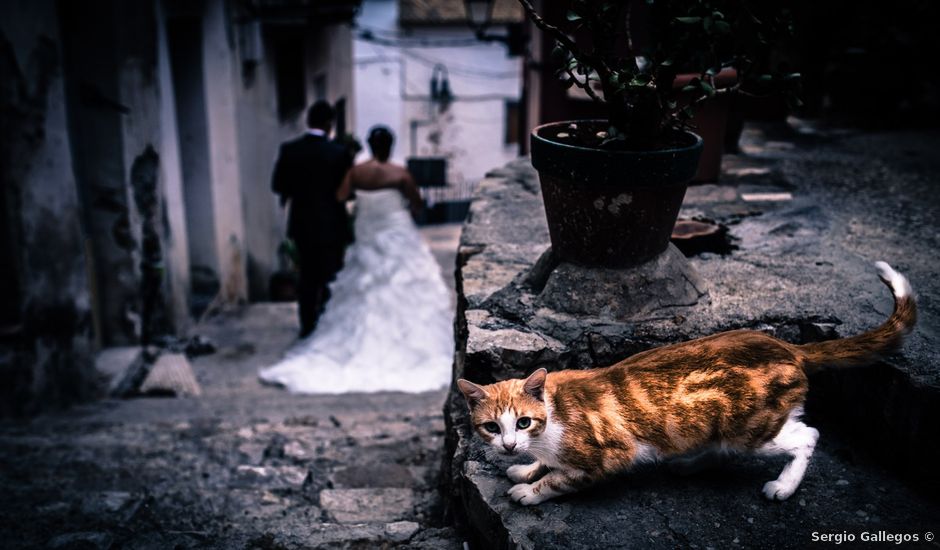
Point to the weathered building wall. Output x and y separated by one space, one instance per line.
96 111
260 133
221 79
261 130
46 339
184 41
200 45
176 242
113 99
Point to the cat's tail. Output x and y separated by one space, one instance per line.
866 348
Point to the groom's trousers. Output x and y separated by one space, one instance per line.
318 265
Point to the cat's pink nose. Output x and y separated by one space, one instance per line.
510 446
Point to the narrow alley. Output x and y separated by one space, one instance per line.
241 466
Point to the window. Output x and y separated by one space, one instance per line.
512 123
289 71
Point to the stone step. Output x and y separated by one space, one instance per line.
367 505
346 536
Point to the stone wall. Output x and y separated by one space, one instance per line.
46 341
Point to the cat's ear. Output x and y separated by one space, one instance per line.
471 391
535 383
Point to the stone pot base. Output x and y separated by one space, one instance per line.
668 280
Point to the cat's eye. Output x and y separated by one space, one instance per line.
523 422
491 427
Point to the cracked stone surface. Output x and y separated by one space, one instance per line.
822 207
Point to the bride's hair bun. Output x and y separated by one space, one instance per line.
380 141
381 134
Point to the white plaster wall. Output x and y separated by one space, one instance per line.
329 51
221 79
471 132
260 133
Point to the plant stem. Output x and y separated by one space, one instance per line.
586 85
585 58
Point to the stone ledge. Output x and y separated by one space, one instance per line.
788 277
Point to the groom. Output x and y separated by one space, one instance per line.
308 171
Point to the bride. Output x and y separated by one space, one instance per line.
389 323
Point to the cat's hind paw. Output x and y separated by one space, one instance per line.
777 490
524 493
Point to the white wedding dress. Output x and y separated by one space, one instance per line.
388 325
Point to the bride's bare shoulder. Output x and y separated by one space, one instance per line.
362 166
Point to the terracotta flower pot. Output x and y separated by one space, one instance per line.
611 208
711 121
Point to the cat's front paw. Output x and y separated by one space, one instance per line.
777 490
523 473
524 494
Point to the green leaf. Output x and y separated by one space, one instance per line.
707 88
572 16
689 20
689 88
722 27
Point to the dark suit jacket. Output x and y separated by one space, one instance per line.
308 172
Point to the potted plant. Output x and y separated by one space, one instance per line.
613 188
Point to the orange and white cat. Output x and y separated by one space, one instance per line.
734 391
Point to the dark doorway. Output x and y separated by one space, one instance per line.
289 73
